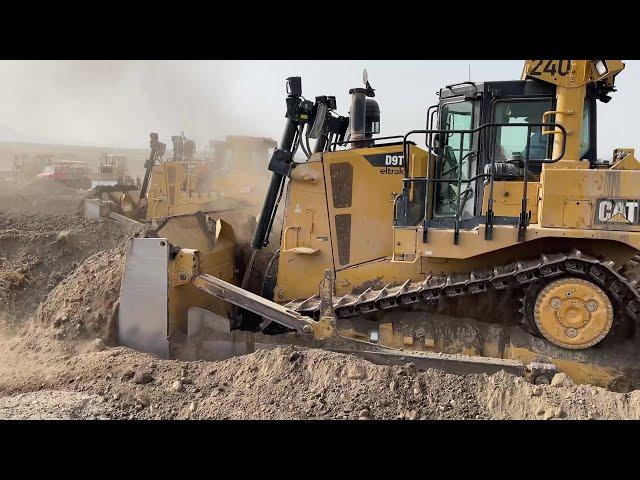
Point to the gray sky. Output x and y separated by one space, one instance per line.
117 103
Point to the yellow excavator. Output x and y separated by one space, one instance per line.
493 239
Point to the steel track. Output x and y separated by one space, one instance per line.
621 284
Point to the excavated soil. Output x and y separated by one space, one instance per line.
40 195
85 304
39 250
45 378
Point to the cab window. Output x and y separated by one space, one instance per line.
258 160
511 142
456 149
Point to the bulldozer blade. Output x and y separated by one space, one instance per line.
142 319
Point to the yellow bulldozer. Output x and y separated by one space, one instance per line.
238 163
493 239
112 170
184 184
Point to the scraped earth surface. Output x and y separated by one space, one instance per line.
40 195
44 378
59 288
39 250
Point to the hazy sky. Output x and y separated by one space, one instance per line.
117 103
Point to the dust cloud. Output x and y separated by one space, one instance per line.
117 102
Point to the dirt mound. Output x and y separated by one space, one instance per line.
44 379
85 304
286 383
50 405
510 397
37 251
40 195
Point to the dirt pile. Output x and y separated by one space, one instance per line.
50 405
45 378
510 397
85 304
37 251
40 195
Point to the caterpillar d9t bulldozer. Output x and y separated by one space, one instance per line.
492 239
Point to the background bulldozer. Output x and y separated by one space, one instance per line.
499 210
238 163
27 167
112 170
184 184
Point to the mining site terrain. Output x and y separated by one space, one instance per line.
59 290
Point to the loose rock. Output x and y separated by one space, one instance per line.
142 376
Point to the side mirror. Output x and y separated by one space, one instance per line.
318 123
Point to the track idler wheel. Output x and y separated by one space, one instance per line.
573 313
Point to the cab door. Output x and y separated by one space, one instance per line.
457 161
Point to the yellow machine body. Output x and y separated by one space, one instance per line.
340 209
332 222
239 168
216 246
180 188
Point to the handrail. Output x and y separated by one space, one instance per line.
493 125
524 215
365 140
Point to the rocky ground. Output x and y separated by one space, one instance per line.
44 378
59 287
40 195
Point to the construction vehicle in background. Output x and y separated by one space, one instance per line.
26 167
179 185
114 193
494 239
72 173
238 162
179 193
112 170
185 184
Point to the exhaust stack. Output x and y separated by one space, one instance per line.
364 116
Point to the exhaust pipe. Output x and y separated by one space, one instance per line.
358 117
364 116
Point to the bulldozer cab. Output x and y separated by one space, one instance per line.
239 153
479 133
